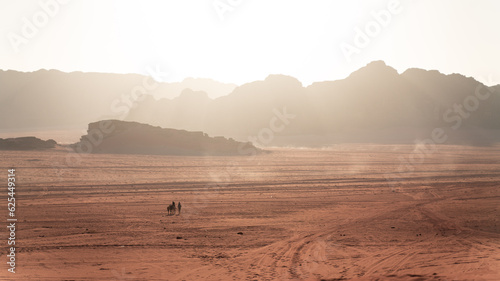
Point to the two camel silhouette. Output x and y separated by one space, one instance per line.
172 208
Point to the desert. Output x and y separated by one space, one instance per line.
293 214
250 140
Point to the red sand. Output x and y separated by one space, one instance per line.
303 214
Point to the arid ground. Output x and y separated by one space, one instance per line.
293 214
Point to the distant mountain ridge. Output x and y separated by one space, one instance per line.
373 104
51 99
373 101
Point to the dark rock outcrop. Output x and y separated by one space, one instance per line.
26 143
121 137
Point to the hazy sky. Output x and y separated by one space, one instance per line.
245 40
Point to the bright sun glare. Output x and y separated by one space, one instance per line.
240 41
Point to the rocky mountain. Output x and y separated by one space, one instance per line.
114 136
51 99
373 104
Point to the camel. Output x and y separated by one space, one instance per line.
171 209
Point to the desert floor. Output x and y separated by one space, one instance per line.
301 214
